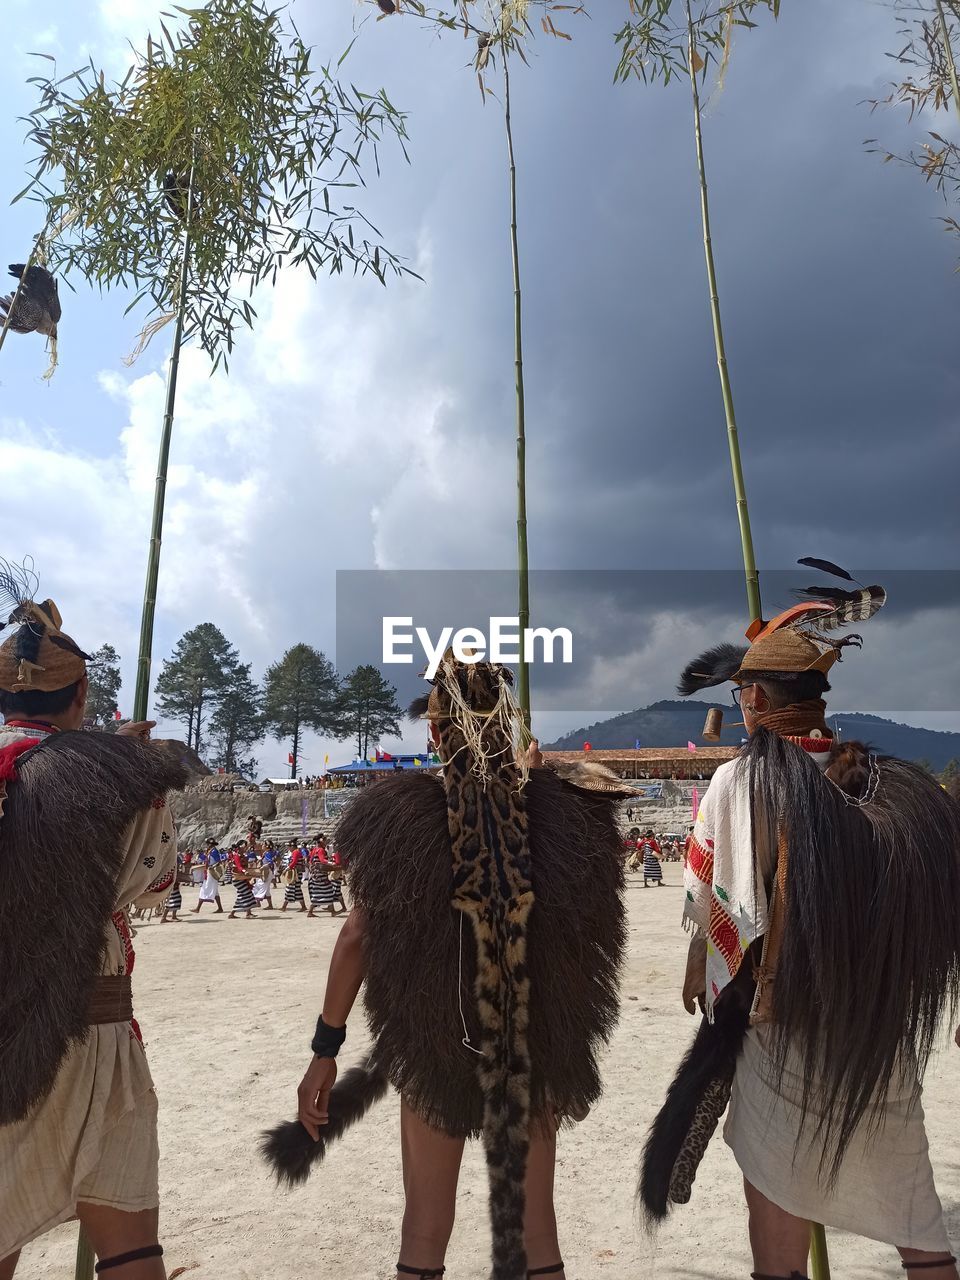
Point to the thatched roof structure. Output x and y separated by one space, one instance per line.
651 762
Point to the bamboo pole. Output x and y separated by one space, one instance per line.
743 515
948 50
819 1258
85 1258
523 566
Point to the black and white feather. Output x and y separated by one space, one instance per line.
18 586
850 607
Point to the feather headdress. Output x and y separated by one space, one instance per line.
801 638
38 655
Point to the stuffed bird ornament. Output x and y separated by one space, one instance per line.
36 309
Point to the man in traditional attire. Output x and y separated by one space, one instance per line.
488 929
78 1111
823 889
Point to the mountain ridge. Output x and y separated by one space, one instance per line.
672 723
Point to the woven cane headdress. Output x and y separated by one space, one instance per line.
798 640
38 655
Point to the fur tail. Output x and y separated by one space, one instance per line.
695 1101
289 1149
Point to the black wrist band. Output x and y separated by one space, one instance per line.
327 1040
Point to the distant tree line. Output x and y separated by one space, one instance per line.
205 687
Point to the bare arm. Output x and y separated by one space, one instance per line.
344 979
345 975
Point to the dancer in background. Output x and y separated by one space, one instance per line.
210 889
293 876
78 1111
245 871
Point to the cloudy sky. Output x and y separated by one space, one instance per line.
364 428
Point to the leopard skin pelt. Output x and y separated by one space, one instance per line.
487 821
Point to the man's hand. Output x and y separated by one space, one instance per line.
956 1038
533 756
136 729
313 1096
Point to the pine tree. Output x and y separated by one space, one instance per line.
103 672
237 723
195 677
302 691
371 707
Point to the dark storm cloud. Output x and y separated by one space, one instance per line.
633 632
837 288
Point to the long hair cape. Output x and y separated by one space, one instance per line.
426 986
870 958
61 848
870 961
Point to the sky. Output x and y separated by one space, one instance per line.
371 428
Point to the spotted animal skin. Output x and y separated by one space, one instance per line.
487 820
710 1108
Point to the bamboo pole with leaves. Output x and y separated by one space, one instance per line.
502 33
220 158
925 49
948 54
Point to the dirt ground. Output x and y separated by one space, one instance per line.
222 1001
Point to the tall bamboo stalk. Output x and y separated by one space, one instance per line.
523 566
743 515
819 1260
142 694
948 50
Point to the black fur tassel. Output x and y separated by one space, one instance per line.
708 1067
716 666
290 1150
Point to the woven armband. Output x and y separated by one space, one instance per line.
327 1040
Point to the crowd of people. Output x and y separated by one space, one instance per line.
251 869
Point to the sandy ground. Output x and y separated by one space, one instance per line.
228 1008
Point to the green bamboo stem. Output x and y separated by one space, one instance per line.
523 567
85 1258
819 1258
743 515
142 695
948 50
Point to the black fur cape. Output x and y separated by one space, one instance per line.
61 847
870 959
396 842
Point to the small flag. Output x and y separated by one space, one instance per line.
417 762
326 759
636 745
222 769
117 715
290 758
696 803
384 755
691 746
587 746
